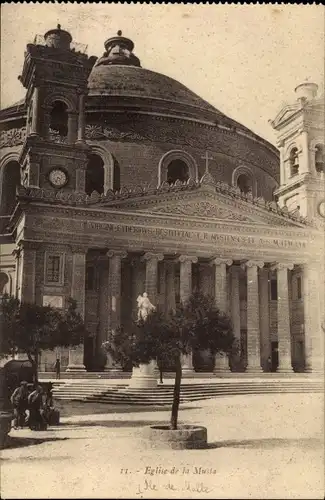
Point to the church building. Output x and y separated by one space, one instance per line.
116 180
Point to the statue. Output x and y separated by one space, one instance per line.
144 307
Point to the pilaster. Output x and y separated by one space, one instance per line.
27 271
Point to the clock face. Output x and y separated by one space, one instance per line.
58 177
321 208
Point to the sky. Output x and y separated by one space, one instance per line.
244 60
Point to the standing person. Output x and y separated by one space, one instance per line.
35 403
19 399
57 368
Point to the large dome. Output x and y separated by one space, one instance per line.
118 76
133 81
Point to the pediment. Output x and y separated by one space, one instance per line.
216 207
285 113
200 208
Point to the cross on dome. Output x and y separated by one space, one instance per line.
206 157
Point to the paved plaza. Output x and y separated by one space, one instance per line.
266 446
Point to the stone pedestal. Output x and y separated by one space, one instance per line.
144 376
187 364
221 364
76 360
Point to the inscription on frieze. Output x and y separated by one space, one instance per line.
105 228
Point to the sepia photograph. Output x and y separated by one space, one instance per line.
162 265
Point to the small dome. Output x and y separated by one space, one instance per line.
58 39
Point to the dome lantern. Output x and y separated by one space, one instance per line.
58 38
119 50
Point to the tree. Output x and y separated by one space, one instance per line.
196 324
30 328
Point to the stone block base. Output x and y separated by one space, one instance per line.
185 437
143 377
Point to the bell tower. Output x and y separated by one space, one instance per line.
55 74
300 138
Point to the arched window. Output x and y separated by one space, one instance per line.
95 174
177 170
4 282
244 183
59 119
116 176
294 162
10 180
319 158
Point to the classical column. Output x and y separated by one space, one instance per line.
78 288
72 127
264 318
81 119
152 260
221 298
115 268
170 286
313 290
35 112
114 298
80 176
235 310
253 320
103 294
304 152
45 129
185 291
284 334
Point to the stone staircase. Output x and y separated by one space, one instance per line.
118 392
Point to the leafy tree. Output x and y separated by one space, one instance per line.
30 328
196 324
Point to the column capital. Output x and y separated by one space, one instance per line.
252 263
282 265
78 249
116 253
188 258
218 261
153 256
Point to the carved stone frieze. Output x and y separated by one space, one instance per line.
200 209
99 132
12 137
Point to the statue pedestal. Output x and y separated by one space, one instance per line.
144 376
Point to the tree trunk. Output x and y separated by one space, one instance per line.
34 363
176 395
